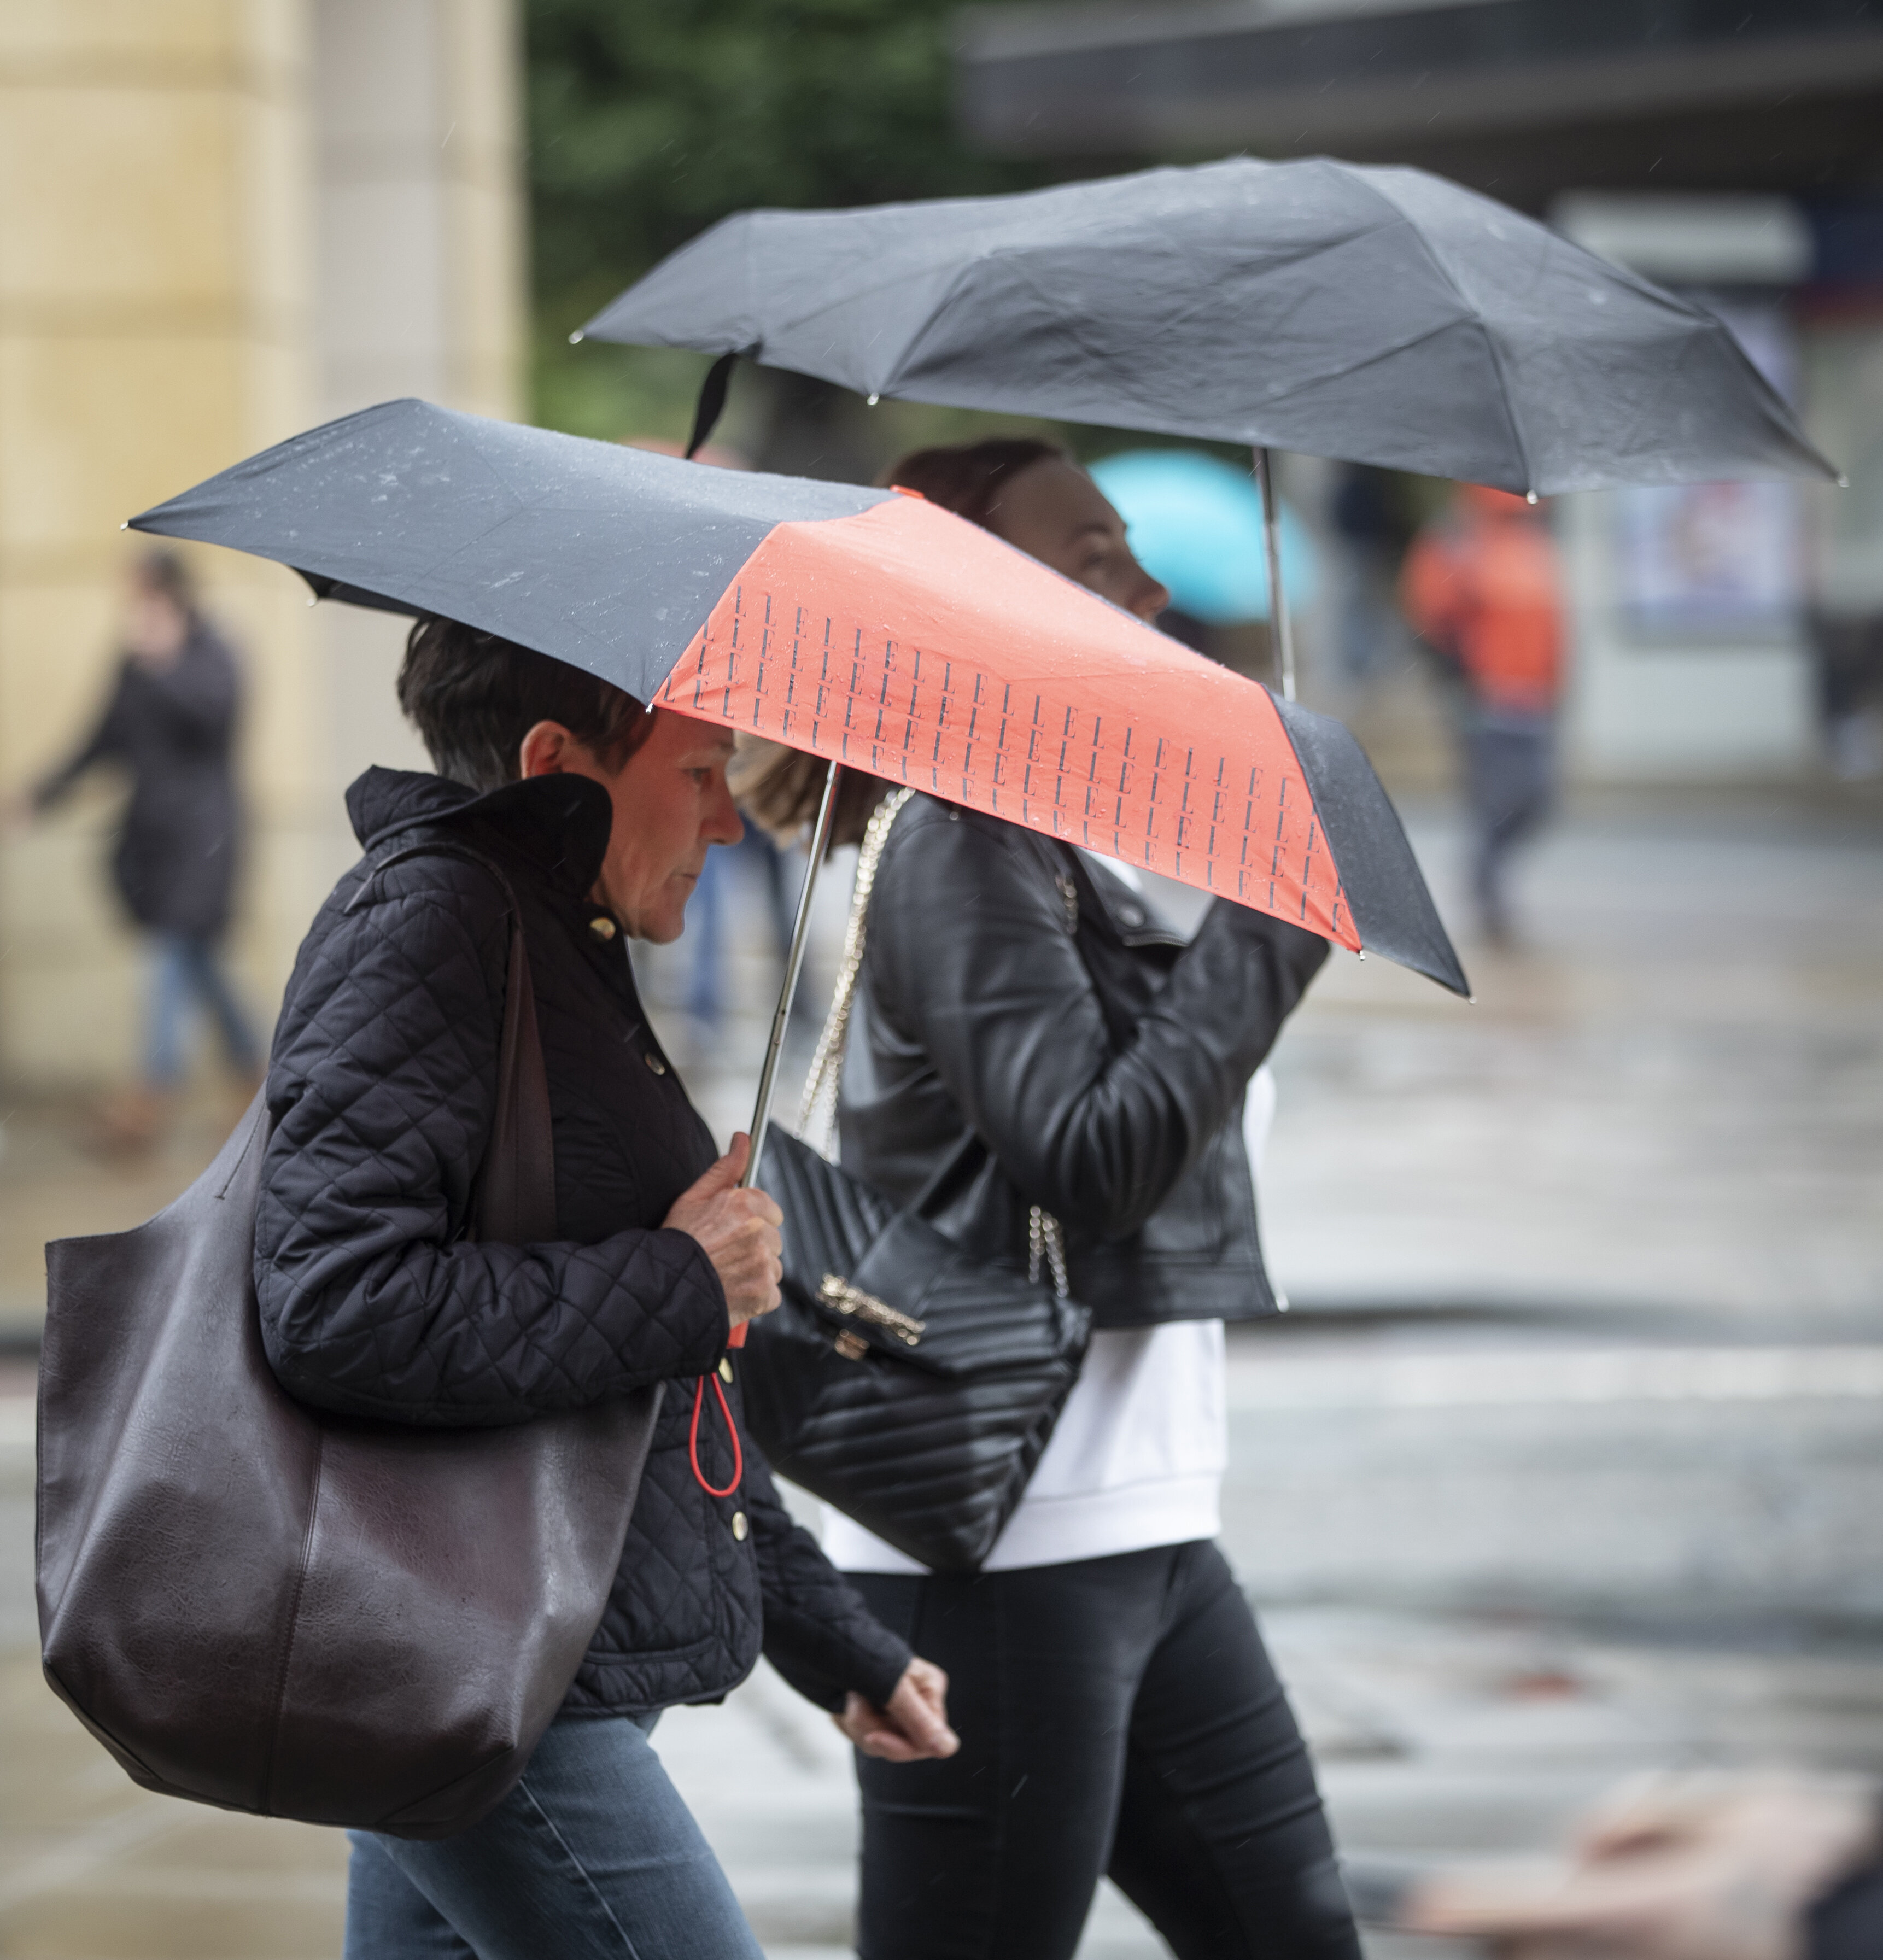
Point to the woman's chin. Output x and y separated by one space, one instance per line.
661 928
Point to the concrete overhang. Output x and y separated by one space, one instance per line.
1372 78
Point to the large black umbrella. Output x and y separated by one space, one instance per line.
1376 315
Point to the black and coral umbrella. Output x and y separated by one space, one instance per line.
865 626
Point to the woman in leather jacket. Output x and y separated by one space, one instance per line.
1117 1710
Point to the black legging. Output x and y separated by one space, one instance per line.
1118 1715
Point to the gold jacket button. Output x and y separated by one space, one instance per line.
602 928
654 1062
725 1367
739 1525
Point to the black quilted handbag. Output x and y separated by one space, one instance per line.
911 1385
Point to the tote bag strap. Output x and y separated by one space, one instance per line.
817 1114
512 1196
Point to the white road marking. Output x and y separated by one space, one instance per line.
1507 1377
1483 1379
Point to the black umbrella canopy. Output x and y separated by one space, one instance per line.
606 556
1376 315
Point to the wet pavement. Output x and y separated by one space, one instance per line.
1568 1462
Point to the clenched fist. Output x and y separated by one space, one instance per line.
913 1728
739 1230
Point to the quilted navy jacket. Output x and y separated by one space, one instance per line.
382 1087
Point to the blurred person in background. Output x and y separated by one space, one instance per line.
1696 1867
717 894
1024 1017
1364 513
1847 650
1482 585
169 725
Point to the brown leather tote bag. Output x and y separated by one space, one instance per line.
256 1605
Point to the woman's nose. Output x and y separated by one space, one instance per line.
1148 598
723 825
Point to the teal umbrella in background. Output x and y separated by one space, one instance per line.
1196 525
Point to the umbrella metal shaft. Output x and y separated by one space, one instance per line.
793 963
1281 630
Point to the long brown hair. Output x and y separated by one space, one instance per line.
968 478
779 789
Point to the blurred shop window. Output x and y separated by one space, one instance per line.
1717 561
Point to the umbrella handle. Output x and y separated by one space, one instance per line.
793 965
1281 629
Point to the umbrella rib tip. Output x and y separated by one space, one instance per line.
575 338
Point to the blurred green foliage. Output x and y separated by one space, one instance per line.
649 120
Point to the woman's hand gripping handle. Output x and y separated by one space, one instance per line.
738 1230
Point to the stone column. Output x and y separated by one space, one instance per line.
420 271
219 223
154 325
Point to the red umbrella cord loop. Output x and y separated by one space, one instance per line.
732 1430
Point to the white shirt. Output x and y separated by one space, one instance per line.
1138 1455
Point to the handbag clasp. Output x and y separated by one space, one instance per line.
848 1299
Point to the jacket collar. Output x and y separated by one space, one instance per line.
1129 918
561 823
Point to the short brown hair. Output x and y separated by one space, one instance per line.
473 696
968 478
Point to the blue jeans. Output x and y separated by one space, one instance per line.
183 964
592 1857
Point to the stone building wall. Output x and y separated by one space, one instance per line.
221 221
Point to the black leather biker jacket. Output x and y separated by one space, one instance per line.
1012 993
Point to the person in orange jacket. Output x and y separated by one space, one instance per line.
1483 586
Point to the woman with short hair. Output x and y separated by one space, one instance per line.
558 794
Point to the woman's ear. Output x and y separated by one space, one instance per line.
545 751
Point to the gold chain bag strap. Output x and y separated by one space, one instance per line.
817 1114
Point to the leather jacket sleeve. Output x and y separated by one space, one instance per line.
975 961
